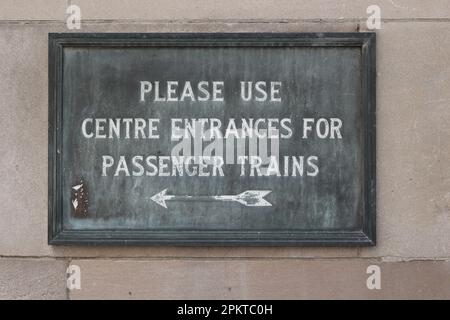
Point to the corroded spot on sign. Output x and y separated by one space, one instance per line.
79 199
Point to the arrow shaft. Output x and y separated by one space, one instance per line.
199 198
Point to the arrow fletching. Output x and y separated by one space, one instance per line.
254 198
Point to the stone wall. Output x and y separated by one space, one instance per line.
413 160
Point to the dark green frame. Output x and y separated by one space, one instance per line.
58 236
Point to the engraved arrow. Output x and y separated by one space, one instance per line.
249 198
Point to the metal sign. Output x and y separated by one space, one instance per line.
260 139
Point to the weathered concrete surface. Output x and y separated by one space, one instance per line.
413 145
23 140
223 10
17 10
259 279
32 278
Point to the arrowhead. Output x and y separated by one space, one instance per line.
160 198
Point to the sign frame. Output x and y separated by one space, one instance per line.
58 236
